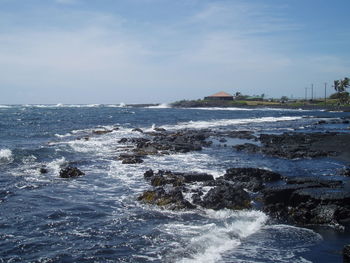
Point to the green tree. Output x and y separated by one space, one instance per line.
340 86
284 99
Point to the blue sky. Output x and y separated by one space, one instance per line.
142 51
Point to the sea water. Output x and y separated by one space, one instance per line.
97 218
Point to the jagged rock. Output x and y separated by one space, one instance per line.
159 129
314 180
123 140
128 158
345 172
159 180
173 179
101 132
346 254
70 172
137 130
248 147
226 196
310 202
172 199
295 145
282 194
251 178
339 196
132 160
43 170
197 177
176 179
148 174
263 174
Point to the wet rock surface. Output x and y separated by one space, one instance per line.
299 145
166 182
309 201
251 178
302 200
346 254
70 172
297 200
226 196
171 199
161 142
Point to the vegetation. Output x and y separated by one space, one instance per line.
340 86
336 101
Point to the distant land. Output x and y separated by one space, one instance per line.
225 100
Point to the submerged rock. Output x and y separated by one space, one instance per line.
70 172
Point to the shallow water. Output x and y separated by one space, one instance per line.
96 218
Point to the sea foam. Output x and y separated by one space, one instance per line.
224 231
226 122
6 156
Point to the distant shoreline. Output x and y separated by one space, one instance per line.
257 105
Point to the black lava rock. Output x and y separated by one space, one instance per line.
70 172
226 196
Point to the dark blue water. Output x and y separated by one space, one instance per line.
96 218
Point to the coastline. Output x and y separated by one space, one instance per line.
259 104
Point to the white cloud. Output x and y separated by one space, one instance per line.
104 58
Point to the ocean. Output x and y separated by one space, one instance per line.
97 218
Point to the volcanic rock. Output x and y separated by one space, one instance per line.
172 199
70 172
226 196
251 178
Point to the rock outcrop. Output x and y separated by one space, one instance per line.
70 172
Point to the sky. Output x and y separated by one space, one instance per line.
160 51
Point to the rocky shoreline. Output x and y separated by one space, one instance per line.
297 200
302 201
245 104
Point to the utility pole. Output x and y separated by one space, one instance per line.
305 94
312 92
325 93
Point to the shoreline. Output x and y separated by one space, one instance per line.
257 105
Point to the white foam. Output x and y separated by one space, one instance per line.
244 109
160 106
63 135
60 105
227 122
195 162
6 156
225 230
5 106
56 164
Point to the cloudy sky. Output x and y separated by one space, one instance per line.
142 51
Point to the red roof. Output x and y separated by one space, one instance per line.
221 94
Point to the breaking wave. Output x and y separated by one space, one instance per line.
6 156
226 122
